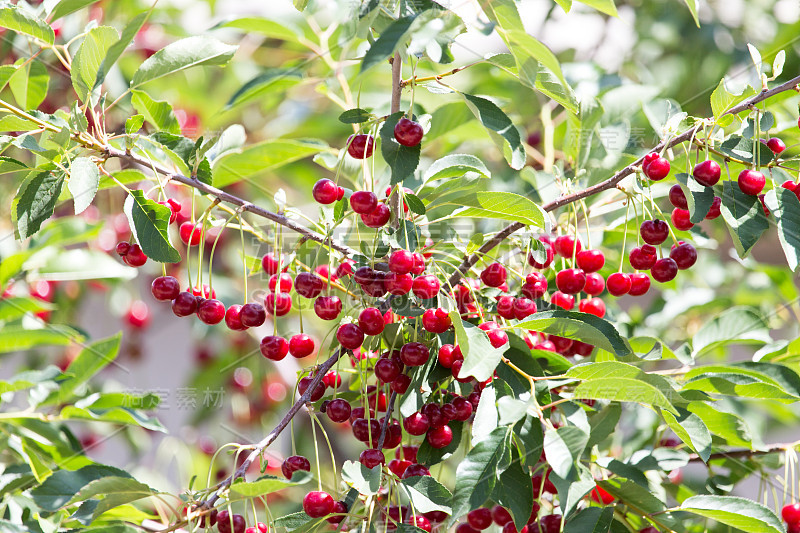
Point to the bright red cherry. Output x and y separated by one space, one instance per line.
325 191
420 522
664 270
339 508
252 315
372 458
426 287
328 307
285 283
135 257
791 513
278 304
497 337
599 495
301 345
360 146
370 320
548 259
494 275
640 284
419 263
535 285
416 424
505 306
440 437
294 463
523 308
480 518
398 284
571 280
401 262
414 354
618 283
590 260
677 197
564 301
378 217
566 245
706 173
211 311
332 379
363 202
714 211
681 219
644 257
751 181
123 247
407 132
338 410
274 347
447 355
184 304
436 320
776 145
398 466
657 169
593 306
654 231
594 284
350 336
464 409
165 288
317 504
270 264
232 318
190 233
684 255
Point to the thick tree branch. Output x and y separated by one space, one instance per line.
612 182
395 203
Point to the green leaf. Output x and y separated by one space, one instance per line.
414 203
573 489
183 54
744 216
514 490
486 416
267 484
84 178
88 58
691 429
17 338
740 513
115 416
502 206
93 358
272 79
787 213
692 5
578 326
778 62
83 264
480 357
31 378
564 446
604 6
150 225
739 325
156 112
59 488
456 165
16 306
745 148
496 121
293 521
403 160
355 116
29 84
722 100
115 491
427 494
237 165
387 43
476 474
134 124
66 7
698 197
35 201
603 423
20 21
729 426
590 520
6 71
644 501
365 480
429 456
264 26
116 50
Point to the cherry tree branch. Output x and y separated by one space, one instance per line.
395 203
774 448
614 180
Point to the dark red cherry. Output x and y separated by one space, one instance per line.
372 458
363 202
294 463
378 217
371 322
338 410
677 197
387 370
135 256
400 384
270 263
414 354
664 270
211 311
308 285
328 307
165 288
715 210
654 231
123 247
500 515
185 304
706 173
480 518
681 219
304 383
440 437
274 347
464 409
252 315
407 132
684 255
416 424
350 336
278 304
644 257
360 146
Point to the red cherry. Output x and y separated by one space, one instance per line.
401 262
303 385
135 256
398 284
776 145
301 345
548 260
714 211
640 284
252 315
338 410
270 264
523 308
363 202
664 270
294 463
339 508
285 284
440 437
416 424
644 257
328 307
370 320
681 219
436 320
350 336
505 307
571 280
464 409
599 495
211 311
618 283
447 355
325 191
593 306
123 248
425 287
594 284
497 337
332 379
657 169
232 319
407 132
535 286
165 288
590 260
230 523
372 458
654 231
360 146
317 504
494 275
791 513
378 217
185 304
677 197
308 285
278 304
400 384
398 466
751 181
419 264
565 244
274 347
414 354
204 292
138 315
190 233
500 515
480 518
706 173
684 255
387 370
565 301
420 522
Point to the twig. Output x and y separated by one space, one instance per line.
774 448
395 204
385 426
